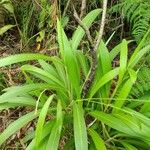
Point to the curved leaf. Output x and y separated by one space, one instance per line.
16 125
6 28
21 58
79 33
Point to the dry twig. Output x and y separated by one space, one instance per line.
101 30
66 8
91 74
83 8
83 26
93 49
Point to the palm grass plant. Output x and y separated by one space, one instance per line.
102 120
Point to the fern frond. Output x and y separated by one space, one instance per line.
136 12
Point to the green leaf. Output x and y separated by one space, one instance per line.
113 122
136 51
41 120
144 119
48 68
83 62
124 122
16 125
15 91
137 143
115 51
123 65
41 72
60 67
98 141
46 130
123 60
22 57
19 101
7 106
80 133
128 146
6 28
79 33
134 60
146 106
8 5
110 38
69 57
69 145
54 138
41 36
105 67
104 58
102 81
124 92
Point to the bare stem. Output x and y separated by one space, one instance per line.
83 8
101 30
90 78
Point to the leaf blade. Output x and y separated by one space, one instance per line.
98 141
80 133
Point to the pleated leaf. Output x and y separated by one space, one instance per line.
125 90
125 123
98 141
21 58
102 81
80 133
16 126
53 141
79 33
128 146
69 57
134 60
41 121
